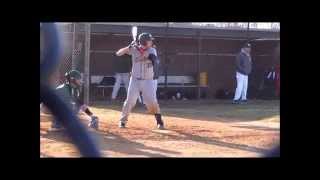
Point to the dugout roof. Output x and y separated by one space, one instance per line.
181 30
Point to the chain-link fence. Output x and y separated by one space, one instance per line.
200 51
73 57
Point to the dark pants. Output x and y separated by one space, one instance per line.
57 124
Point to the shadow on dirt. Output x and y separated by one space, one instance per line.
257 127
43 155
115 143
57 136
118 144
215 141
220 111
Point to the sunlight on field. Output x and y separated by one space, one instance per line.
275 118
206 130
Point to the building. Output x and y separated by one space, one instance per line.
184 50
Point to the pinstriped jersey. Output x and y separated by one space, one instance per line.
142 67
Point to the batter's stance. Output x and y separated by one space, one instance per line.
144 56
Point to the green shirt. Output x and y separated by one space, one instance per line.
71 96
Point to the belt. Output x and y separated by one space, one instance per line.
142 79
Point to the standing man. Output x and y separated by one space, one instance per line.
144 56
122 68
243 67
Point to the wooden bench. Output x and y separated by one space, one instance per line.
104 82
177 81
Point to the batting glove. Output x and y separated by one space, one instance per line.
132 44
94 122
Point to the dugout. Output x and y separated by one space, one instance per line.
184 51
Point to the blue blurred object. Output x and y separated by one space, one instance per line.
63 114
52 50
69 120
275 152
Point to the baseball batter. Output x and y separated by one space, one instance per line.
144 57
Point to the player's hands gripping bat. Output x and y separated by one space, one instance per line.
134 32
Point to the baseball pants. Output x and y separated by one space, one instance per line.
242 87
147 87
140 98
155 84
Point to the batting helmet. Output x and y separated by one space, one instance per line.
144 37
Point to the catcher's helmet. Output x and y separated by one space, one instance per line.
73 74
144 37
71 78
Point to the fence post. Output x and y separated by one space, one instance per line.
87 63
166 61
73 47
198 64
248 31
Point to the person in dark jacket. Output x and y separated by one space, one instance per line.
243 68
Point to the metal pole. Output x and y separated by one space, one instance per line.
166 61
87 63
73 47
198 63
248 30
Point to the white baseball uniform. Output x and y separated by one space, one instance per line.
141 80
242 86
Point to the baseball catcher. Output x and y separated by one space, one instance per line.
144 57
71 93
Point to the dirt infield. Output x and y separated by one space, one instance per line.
194 129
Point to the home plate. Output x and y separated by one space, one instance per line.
110 137
162 131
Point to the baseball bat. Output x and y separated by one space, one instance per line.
134 32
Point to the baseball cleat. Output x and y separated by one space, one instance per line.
160 126
236 102
243 102
122 125
94 123
159 121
